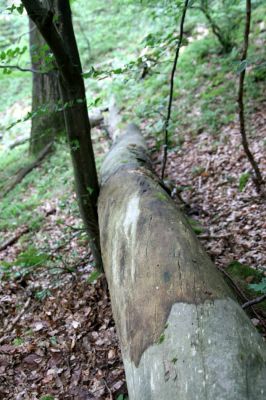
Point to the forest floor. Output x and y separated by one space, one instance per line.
58 339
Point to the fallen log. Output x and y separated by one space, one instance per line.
183 335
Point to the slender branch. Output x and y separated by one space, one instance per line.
258 177
254 301
169 110
22 69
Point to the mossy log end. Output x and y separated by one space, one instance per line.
183 335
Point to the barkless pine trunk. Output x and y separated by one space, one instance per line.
183 335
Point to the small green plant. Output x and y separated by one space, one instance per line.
122 397
243 180
53 340
47 397
42 294
161 338
259 287
25 264
18 341
93 277
196 226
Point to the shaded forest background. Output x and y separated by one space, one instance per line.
64 345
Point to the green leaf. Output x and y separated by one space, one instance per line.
53 340
42 294
18 341
161 338
47 397
243 180
259 287
90 190
242 66
93 276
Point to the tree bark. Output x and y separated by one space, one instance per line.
182 333
48 124
55 25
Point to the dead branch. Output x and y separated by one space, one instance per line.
254 301
24 171
15 320
19 142
14 238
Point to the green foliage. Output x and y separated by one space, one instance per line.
122 397
196 226
47 397
242 275
24 265
94 276
13 7
161 338
30 258
18 341
42 294
259 287
243 180
242 271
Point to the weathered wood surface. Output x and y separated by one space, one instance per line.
183 335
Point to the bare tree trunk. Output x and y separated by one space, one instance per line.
182 333
55 25
47 124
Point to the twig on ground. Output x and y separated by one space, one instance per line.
14 238
15 320
109 390
254 301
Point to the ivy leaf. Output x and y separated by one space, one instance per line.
93 276
259 287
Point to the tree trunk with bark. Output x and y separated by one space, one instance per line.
47 124
183 335
55 25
